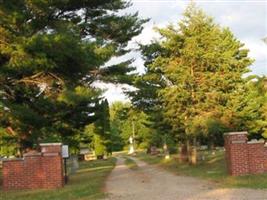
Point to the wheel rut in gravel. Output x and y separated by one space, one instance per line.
150 182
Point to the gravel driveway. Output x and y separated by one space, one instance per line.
152 183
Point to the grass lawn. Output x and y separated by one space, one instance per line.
130 163
86 184
213 168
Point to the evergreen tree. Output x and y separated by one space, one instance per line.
117 114
97 135
194 78
253 117
204 65
48 49
146 98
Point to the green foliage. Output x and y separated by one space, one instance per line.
204 69
98 135
254 114
99 147
50 54
116 113
146 98
127 121
194 78
7 143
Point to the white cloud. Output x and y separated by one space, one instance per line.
258 49
113 92
147 35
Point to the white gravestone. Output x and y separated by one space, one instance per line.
131 150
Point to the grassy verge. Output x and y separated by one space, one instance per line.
86 184
130 163
213 168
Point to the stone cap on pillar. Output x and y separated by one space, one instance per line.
254 141
51 147
236 133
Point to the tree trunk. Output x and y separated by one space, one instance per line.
188 149
193 152
183 153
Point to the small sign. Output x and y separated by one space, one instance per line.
65 151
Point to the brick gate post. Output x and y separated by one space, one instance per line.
236 153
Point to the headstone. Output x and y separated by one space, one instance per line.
154 150
131 147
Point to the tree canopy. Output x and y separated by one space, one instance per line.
195 87
50 54
195 84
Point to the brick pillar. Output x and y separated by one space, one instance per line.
256 156
11 174
236 153
32 173
265 157
52 165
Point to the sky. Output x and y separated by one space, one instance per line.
246 19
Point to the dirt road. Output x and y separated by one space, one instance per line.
152 183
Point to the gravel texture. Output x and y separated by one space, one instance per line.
152 183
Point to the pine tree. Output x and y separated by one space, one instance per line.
198 67
146 98
48 49
253 116
204 65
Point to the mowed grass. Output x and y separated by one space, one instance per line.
130 163
86 184
213 168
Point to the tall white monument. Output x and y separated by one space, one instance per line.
131 146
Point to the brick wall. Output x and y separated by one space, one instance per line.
35 170
256 157
265 157
244 157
